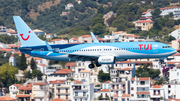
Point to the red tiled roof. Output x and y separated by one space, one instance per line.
58 99
157 86
14 32
107 81
142 92
119 32
37 58
130 35
57 82
125 69
126 95
78 82
100 39
74 39
104 90
22 95
124 61
173 99
6 50
42 64
143 62
70 64
115 95
177 54
63 71
26 55
17 52
48 34
17 85
85 71
6 98
141 78
56 39
173 62
86 36
39 83
27 87
144 21
177 65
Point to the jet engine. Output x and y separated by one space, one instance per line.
106 60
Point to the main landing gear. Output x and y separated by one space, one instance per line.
92 65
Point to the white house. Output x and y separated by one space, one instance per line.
49 35
139 88
85 39
157 93
13 33
69 6
12 60
38 32
13 89
73 40
59 41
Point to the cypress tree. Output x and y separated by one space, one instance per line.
22 64
33 64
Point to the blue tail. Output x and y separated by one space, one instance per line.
94 38
26 36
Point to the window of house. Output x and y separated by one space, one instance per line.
132 95
132 82
132 88
142 82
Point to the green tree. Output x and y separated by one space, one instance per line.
33 64
156 13
98 19
22 64
103 76
37 73
28 74
100 9
98 29
160 81
24 4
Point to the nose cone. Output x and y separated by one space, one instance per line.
173 51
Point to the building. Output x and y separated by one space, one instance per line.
175 34
40 91
73 40
13 33
172 92
143 25
13 89
157 93
59 41
70 65
62 74
74 90
139 89
122 36
25 93
3 29
38 32
69 6
174 73
85 39
48 35
12 60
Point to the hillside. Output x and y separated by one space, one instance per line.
83 17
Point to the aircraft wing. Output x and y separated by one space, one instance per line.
82 57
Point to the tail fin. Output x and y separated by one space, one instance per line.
26 36
94 38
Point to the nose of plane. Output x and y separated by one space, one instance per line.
173 51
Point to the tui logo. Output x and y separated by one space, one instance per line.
25 39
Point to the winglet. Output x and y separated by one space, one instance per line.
94 38
48 46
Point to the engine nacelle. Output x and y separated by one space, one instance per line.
106 60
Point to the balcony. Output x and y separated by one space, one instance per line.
76 89
63 86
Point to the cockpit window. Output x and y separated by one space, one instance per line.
165 46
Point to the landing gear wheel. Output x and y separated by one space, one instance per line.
91 66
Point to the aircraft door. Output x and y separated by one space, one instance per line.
42 51
155 48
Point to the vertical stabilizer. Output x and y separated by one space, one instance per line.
26 36
94 38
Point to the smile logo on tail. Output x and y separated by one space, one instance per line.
25 39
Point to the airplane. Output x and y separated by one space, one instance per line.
98 53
